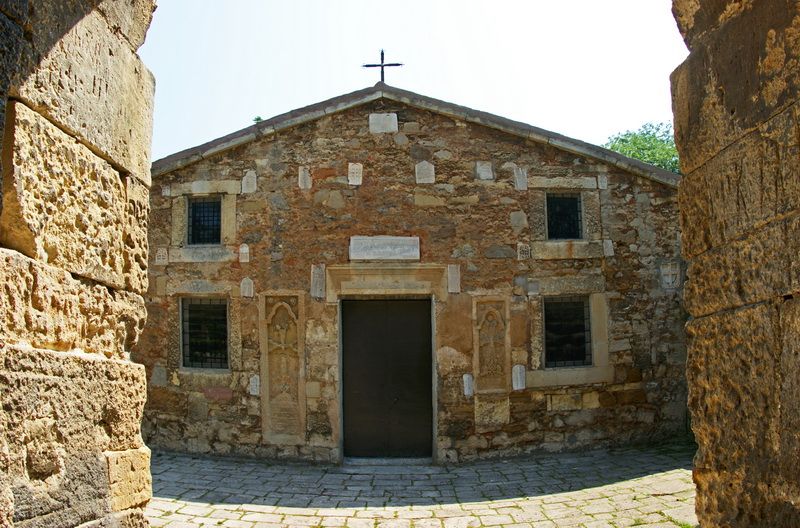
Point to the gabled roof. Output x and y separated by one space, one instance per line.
390 93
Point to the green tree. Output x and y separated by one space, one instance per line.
258 119
653 143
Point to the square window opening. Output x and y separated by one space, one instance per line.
567 335
205 333
564 218
205 220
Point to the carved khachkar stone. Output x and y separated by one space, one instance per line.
492 354
283 367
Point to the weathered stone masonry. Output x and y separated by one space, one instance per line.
75 117
296 193
736 127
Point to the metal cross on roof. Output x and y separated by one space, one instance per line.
382 65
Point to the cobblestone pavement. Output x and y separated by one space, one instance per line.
593 489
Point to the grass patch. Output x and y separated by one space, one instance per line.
682 524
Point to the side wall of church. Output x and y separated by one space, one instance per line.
475 197
735 101
75 119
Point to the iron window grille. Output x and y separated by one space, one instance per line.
564 217
205 220
567 335
205 333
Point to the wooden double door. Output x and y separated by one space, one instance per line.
387 378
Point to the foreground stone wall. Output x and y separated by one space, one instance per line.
475 197
75 111
736 127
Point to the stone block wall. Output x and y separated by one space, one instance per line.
75 118
735 100
292 200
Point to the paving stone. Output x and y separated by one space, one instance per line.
628 487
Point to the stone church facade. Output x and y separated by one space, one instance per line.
385 274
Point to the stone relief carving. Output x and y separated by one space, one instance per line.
492 350
670 275
283 350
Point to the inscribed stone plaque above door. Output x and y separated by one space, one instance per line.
491 344
384 248
282 369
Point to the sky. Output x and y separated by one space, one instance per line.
587 69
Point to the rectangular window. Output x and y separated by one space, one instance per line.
567 336
205 220
564 216
205 333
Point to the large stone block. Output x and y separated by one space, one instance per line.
136 250
46 307
731 369
696 19
130 18
129 478
746 271
789 461
10 39
92 83
722 92
742 187
61 411
64 205
744 421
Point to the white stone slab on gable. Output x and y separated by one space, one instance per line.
454 278
518 377
520 178
303 178
249 182
355 173
484 170
162 256
318 281
247 288
254 387
469 385
424 172
382 123
608 248
384 248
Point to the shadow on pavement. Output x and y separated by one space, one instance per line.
225 480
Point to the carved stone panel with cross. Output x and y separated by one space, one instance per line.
491 345
281 329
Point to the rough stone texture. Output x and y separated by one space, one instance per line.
461 221
92 84
61 411
73 256
129 478
47 307
736 127
128 18
65 206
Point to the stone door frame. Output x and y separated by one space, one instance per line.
365 281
